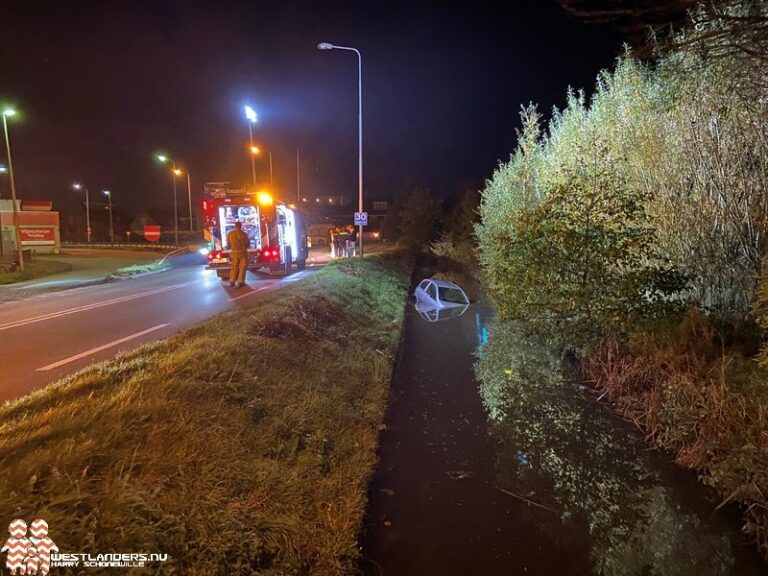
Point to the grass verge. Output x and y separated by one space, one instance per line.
35 269
705 402
241 446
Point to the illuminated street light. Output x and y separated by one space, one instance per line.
78 186
255 150
6 113
189 194
163 158
329 46
108 194
252 118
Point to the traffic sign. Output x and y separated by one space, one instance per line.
361 218
152 233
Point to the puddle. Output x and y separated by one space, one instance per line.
495 462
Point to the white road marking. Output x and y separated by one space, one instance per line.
85 308
250 293
100 348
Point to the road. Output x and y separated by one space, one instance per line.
50 336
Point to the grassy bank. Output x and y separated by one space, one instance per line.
35 269
242 446
701 399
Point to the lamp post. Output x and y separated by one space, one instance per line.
255 150
189 198
298 178
77 186
3 170
163 158
10 112
189 194
250 114
108 194
329 46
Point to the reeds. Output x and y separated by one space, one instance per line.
706 404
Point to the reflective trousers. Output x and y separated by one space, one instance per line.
237 272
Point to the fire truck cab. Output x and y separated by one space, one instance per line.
277 231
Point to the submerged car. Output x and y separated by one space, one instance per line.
440 300
440 293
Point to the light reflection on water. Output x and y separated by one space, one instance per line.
591 475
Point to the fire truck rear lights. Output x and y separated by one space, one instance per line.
270 254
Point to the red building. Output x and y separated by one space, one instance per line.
38 226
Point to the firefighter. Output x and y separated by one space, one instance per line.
238 246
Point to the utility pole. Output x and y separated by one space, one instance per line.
108 194
19 251
329 46
189 194
298 178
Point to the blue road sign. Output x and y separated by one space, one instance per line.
361 218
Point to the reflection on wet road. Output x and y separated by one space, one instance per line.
493 462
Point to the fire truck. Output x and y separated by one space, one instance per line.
277 231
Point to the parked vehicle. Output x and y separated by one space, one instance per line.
277 231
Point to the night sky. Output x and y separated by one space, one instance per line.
103 86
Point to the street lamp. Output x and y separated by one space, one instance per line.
3 170
329 46
163 158
108 194
77 186
255 150
189 194
6 113
252 118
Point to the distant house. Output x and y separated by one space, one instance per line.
376 214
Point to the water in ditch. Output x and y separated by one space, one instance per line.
494 461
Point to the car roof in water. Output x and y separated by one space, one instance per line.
445 284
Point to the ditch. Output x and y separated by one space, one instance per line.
495 461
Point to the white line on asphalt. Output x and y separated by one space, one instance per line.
100 348
52 315
251 293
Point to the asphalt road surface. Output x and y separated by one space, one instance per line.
50 336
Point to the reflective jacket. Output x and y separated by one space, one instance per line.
238 243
